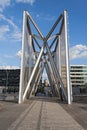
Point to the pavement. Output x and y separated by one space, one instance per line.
9 112
39 114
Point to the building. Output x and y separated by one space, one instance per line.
9 79
78 76
46 82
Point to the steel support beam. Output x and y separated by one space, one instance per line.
51 80
33 72
67 58
52 70
58 78
38 80
39 32
32 83
54 26
37 42
52 74
53 42
22 59
39 72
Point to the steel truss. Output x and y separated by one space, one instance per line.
44 58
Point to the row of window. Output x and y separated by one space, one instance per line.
78 82
79 67
78 70
77 78
9 77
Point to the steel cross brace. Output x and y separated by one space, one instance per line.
56 73
39 79
49 73
53 78
39 72
41 53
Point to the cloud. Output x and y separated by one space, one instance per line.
3 31
27 55
3 4
14 35
8 20
46 17
31 2
37 15
9 67
78 51
49 18
19 53
8 56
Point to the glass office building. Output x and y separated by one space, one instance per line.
78 78
78 75
9 79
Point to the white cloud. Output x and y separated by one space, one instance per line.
3 4
3 31
8 20
31 2
49 18
78 51
46 17
19 53
37 15
1 9
9 67
14 35
8 56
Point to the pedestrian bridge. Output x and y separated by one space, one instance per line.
43 113
39 53
42 54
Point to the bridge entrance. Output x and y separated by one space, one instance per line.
49 53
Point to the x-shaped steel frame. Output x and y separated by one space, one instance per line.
58 80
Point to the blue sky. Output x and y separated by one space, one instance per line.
45 13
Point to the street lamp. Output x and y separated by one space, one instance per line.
6 79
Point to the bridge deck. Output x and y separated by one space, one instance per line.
42 114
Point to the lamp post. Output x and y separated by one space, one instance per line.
6 79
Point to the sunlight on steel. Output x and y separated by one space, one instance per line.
55 62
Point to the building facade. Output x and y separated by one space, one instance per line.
78 76
9 80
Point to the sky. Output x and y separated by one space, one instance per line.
44 13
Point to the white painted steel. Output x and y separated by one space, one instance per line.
22 60
59 57
35 25
67 58
55 68
39 72
53 78
33 72
52 82
56 73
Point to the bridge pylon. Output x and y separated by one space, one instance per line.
50 52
